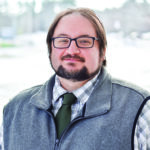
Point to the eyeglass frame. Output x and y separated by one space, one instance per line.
73 39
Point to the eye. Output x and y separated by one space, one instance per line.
63 40
84 41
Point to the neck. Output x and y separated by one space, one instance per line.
71 85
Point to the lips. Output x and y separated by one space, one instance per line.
73 58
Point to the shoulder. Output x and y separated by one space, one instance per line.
15 107
121 87
21 98
129 87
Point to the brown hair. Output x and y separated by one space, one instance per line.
91 16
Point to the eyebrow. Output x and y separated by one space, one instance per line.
66 35
62 35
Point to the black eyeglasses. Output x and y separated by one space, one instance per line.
81 42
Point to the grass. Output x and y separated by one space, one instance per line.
7 45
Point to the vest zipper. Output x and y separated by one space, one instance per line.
56 140
57 143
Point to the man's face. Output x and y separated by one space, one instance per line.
76 64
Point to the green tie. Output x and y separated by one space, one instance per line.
63 116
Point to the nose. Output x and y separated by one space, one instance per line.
73 49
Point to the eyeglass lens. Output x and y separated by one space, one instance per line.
64 42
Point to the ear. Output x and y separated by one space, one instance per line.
104 54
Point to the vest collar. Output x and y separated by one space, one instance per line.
100 100
43 98
98 103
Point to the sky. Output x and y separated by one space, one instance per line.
100 4
94 4
13 5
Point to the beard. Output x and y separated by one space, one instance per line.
77 75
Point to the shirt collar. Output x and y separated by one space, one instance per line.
85 91
81 93
58 90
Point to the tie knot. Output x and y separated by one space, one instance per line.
69 99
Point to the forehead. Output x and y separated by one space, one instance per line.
74 25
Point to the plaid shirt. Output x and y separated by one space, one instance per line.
82 95
142 130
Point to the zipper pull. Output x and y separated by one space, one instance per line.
56 143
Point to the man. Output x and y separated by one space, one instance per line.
105 113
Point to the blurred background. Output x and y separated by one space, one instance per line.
23 51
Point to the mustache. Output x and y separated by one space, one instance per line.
73 57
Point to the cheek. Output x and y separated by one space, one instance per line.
55 58
93 60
